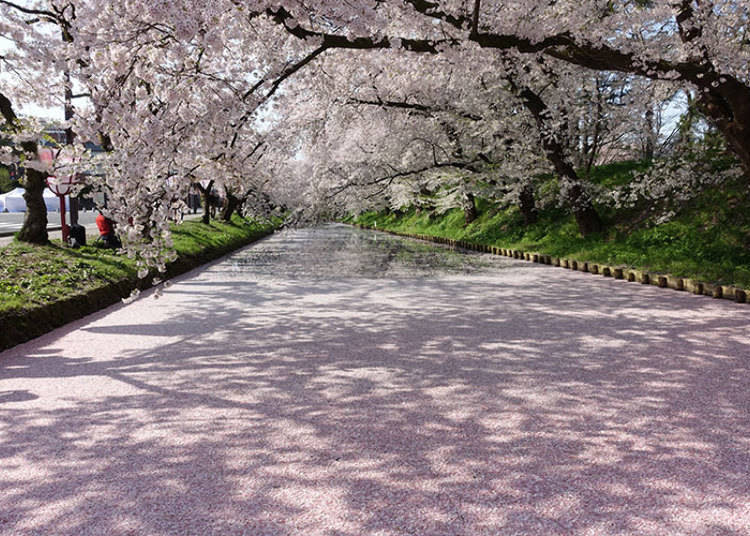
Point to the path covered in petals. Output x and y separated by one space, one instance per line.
340 382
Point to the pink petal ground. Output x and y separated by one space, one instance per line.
312 385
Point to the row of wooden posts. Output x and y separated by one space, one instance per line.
729 292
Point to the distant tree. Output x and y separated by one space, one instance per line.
34 228
6 183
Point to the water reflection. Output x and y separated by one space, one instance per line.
341 251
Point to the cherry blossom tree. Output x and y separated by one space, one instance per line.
702 45
184 91
31 73
480 126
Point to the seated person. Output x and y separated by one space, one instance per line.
107 232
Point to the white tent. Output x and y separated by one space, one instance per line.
13 201
53 202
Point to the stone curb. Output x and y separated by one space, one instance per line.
667 281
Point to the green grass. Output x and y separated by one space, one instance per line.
33 276
708 239
5 183
616 173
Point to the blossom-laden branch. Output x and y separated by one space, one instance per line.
387 180
724 97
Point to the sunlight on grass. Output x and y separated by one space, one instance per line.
32 275
708 239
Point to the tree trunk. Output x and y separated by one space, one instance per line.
470 209
206 195
580 204
34 228
231 205
206 218
587 217
728 107
527 204
650 145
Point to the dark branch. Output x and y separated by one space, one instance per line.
6 109
421 109
42 13
475 18
289 71
430 9
284 18
388 179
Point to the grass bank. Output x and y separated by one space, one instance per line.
44 287
707 239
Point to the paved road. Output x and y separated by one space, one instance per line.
340 382
11 222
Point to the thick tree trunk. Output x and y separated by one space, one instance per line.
206 195
206 218
231 205
587 217
728 107
580 203
725 99
470 209
527 204
34 228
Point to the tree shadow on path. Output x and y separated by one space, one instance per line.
472 404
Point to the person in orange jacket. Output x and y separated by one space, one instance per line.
107 232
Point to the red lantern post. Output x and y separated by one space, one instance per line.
61 187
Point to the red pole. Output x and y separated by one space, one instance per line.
65 228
